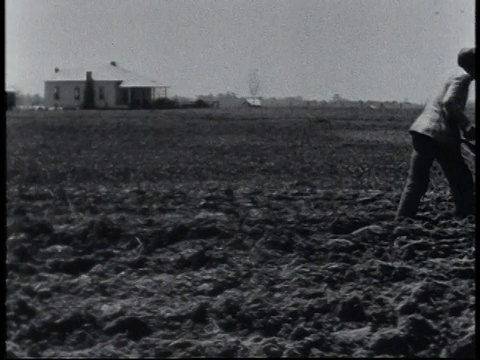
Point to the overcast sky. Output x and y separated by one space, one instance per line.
360 49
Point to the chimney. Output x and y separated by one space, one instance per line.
89 75
113 63
57 70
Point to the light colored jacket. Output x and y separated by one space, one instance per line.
443 117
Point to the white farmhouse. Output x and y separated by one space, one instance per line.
115 88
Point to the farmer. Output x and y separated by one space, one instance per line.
436 136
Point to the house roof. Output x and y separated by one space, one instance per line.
10 89
108 72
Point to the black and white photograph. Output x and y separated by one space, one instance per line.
240 179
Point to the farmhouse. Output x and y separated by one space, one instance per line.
11 97
252 102
114 88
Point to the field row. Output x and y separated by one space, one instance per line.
133 147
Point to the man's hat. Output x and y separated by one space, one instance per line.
466 58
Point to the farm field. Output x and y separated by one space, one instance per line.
228 233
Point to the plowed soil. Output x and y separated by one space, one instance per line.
254 233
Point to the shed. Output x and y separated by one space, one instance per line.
252 102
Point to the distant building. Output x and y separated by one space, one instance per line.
115 87
252 102
375 105
11 97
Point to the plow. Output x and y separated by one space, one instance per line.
469 146
468 149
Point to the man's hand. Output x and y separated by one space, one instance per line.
469 133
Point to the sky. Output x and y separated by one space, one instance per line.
381 50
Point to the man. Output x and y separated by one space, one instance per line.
436 136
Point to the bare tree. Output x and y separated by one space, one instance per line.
254 83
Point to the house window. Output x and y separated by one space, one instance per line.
56 93
76 93
101 93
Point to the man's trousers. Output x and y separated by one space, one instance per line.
425 151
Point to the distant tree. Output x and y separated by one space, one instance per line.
183 100
254 83
29 100
207 98
200 103
37 99
89 93
164 103
337 98
22 99
229 99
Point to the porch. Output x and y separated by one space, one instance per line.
136 97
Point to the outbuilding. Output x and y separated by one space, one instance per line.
114 88
11 97
252 102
